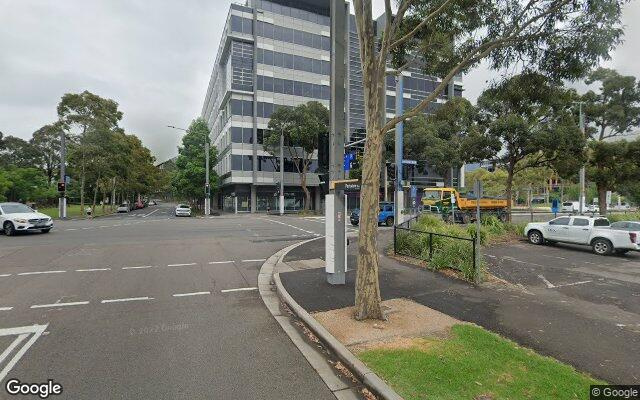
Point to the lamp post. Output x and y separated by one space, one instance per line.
207 186
62 204
581 202
281 199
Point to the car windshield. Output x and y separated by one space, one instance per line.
16 208
567 204
183 206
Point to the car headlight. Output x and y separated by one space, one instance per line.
21 221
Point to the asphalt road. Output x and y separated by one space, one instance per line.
148 306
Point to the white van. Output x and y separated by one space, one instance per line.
570 206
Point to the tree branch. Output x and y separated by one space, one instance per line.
417 28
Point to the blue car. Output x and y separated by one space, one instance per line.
385 215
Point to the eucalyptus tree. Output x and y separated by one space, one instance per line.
560 38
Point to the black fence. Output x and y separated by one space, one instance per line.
407 227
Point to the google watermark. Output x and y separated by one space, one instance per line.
614 392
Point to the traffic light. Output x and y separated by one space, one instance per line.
61 186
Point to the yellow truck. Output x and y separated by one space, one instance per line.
444 200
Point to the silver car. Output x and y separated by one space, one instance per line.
183 210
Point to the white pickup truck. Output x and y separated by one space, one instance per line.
592 231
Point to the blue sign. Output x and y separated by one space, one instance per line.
414 191
348 159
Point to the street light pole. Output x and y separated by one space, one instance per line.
207 188
62 202
581 202
281 172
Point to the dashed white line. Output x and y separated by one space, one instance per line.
145 216
103 226
6 308
575 283
71 229
93 269
4 275
73 303
140 267
546 282
255 260
190 294
291 226
180 265
220 262
238 289
126 299
41 272
558 257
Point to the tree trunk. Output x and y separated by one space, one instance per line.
367 302
602 199
95 196
509 190
303 183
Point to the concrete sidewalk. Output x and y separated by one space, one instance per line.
535 320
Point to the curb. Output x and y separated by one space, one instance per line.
270 272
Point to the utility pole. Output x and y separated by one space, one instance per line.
281 205
207 188
399 151
581 202
62 201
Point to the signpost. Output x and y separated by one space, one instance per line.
478 254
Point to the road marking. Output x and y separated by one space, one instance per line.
87 228
220 262
190 294
140 267
73 303
145 216
549 284
572 284
521 262
181 265
117 225
4 275
103 226
256 260
291 226
71 229
93 269
22 333
41 272
558 257
238 289
490 256
6 308
127 299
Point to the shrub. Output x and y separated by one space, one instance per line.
633 216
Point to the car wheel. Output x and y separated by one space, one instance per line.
389 221
602 247
9 229
45 230
535 237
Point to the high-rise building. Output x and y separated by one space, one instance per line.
277 54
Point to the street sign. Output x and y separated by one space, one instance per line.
409 162
414 191
67 179
348 159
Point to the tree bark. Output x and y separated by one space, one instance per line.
303 183
602 199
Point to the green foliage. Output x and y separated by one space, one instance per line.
189 177
25 185
627 216
613 110
18 153
473 363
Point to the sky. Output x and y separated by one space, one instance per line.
154 57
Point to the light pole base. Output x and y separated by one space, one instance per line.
62 208
281 204
336 278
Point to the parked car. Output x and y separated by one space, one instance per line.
593 208
621 207
152 203
592 231
183 210
570 206
17 217
124 207
385 215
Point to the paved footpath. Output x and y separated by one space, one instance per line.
147 306
597 337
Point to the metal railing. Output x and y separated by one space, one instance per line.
406 227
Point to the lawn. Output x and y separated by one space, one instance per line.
73 210
475 362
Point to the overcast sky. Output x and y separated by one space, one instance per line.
154 57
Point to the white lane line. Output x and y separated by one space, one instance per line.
103 226
13 345
546 282
140 267
6 308
190 294
255 260
490 256
291 226
86 228
117 225
127 299
181 265
575 283
145 216
93 269
37 330
41 272
73 303
558 257
238 289
214 262
71 229
4 275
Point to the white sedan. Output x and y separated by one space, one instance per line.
183 210
16 217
